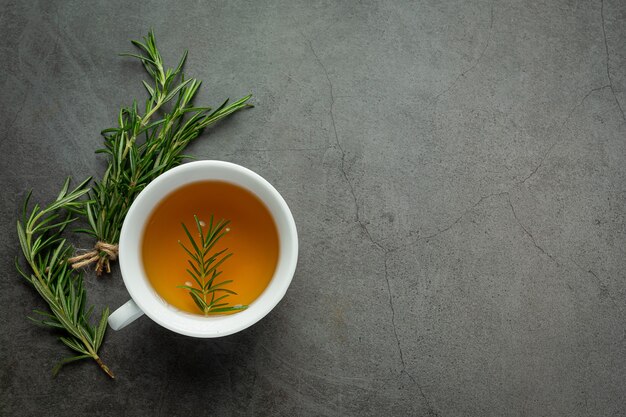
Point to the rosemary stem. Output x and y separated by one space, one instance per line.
148 115
104 367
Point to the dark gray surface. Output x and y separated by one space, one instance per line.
456 170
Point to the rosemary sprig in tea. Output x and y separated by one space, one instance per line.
46 253
143 146
204 266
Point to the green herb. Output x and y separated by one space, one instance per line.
46 253
143 146
204 266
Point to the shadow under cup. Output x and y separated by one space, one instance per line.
145 299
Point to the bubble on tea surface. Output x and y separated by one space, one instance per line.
202 223
188 283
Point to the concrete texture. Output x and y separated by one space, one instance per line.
456 169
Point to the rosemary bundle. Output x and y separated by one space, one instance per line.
46 253
204 266
143 146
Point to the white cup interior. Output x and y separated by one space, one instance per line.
131 237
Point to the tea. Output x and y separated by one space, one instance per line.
252 238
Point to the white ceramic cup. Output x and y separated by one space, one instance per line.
145 300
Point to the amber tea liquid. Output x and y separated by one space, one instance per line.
253 240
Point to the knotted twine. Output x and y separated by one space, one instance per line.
101 254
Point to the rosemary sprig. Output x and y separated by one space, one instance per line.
143 146
204 266
46 253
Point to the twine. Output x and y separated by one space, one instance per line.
100 254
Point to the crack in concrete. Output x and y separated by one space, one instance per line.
357 214
600 283
451 225
532 238
608 62
527 232
534 171
476 62
369 236
569 115
431 409
593 90
387 252
338 142
393 318
483 198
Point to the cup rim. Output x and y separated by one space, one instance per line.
133 273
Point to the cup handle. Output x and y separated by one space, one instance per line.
125 315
